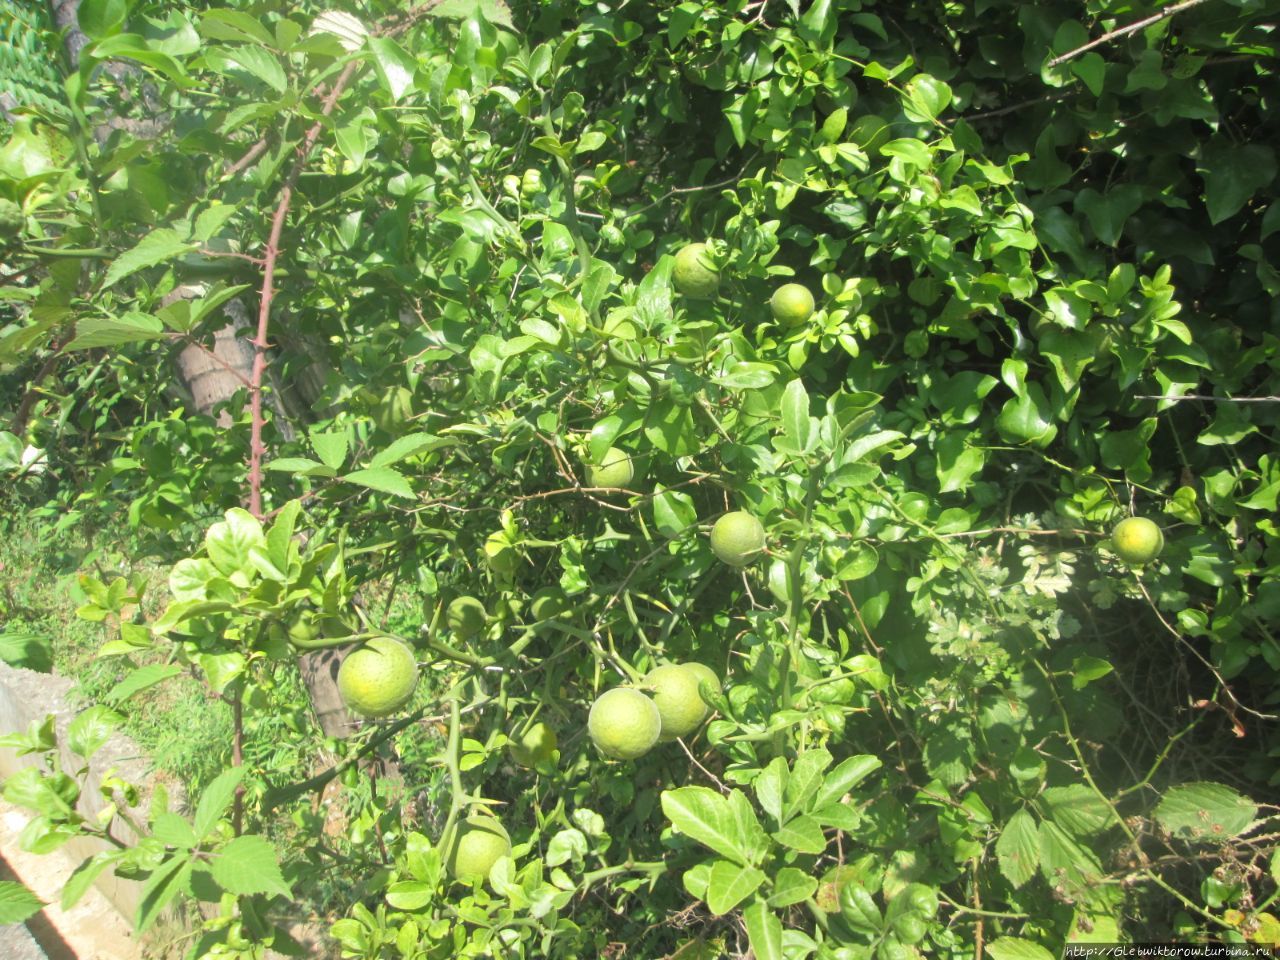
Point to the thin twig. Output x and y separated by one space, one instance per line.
1164 14
1202 396
260 345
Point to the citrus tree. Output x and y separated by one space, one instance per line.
759 462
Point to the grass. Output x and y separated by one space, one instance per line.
180 728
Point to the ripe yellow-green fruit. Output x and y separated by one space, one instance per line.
394 410
466 617
500 555
624 723
737 538
674 688
1137 540
378 679
694 274
615 469
792 304
536 745
480 843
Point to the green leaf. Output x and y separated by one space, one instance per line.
130 327
229 541
926 98
280 536
330 447
382 479
1066 864
910 150
1232 174
804 781
408 446
101 18
216 800
848 775
858 908
31 651
803 833
1015 948
248 865
1084 670
261 63
1205 811
792 885
764 929
17 903
730 884
82 878
1018 849
795 416
673 511
164 884
1028 418
173 831
702 814
141 678
1107 213
1077 809
160 245
90 730
410 894
395 67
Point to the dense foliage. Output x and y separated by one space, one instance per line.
953 718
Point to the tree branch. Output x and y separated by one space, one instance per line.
1164 14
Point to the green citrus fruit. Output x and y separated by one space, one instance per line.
396 408
480 843
1137 540
624 723
737 538
500 555
466 617
536 745
694 274
378 679
548 603
532 181
674 689
792 304
615 469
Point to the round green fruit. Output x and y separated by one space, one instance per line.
548 604
624 724
737 538
394 410
615 469
792 304
1137 540
694 274
500 555
379 678
536 745
674 689
466 617
481 842
531 182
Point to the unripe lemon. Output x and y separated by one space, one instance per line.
548 603
695 275
536 745
615 469
532 181
737 538
396 408
378 679
674 688
500 555
466 617
480 843
624 723
792 304
1137 540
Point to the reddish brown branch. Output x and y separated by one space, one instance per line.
272 254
